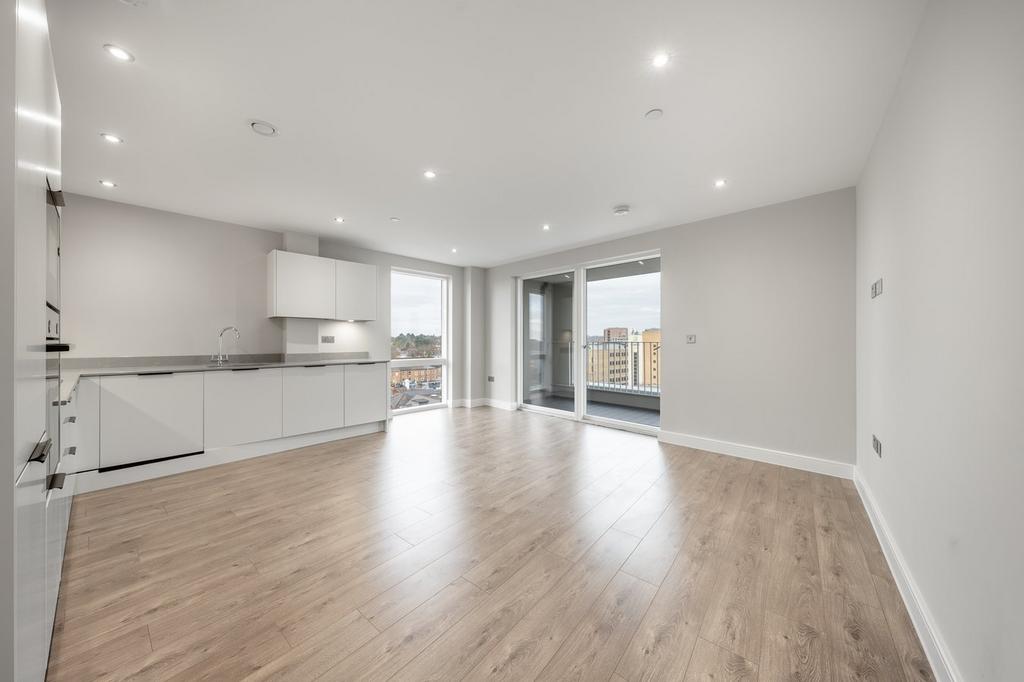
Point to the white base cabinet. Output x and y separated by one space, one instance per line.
86 399
129 419
314 399
150 416
242 406
366 391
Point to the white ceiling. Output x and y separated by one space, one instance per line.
531 112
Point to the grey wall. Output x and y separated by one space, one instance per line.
769 294
375 337
475 344
940 355
137 282
140 282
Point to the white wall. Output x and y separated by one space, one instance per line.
139 282
769 294
8 468
941 353
375 337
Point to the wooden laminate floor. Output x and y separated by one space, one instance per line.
481 544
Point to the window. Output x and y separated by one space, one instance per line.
419 340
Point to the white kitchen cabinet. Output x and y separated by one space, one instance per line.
86 402
242 406
299 285
58 503
366 390
314 399
149 416
30 576
356 291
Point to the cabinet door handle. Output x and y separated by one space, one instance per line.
55 481
367 363
154 374
72 450
310 366
245 369
70 420
41 451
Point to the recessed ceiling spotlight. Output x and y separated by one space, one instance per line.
119 53
339 219
111 138
262 127
720 183
455 250
640 262
567 276
660 60
350 320
109 184
394 219
545 227
654 114
429 174
621 209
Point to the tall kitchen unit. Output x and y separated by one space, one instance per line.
39 498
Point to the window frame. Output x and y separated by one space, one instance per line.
416 363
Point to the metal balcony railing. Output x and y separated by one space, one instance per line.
624 366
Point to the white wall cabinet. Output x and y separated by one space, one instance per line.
299 285
314 399
242 406
366 388
149 416
356 291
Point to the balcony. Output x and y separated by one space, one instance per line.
623 382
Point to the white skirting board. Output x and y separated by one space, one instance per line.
787 459
484 402
499 404
475 402
89 481
934 646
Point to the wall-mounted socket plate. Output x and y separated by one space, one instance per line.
876 288
876 445
691 338
326 339
490 379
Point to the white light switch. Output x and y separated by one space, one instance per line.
691 338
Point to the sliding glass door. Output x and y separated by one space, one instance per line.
590 342
623 345
547 345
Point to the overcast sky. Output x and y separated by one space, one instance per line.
415 304
633 302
